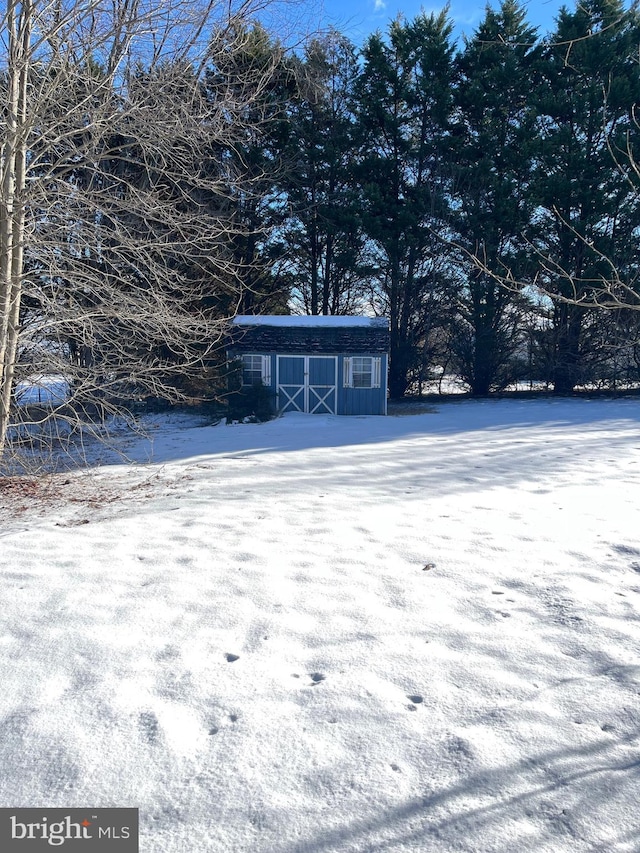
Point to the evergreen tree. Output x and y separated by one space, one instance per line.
496 135
404 112
254 163
588 207
323 238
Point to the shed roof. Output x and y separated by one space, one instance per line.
305 321
293 334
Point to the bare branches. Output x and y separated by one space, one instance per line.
117 196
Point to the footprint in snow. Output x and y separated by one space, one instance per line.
415 699
148 724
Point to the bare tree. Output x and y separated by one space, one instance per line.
116 201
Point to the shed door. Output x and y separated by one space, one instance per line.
307 383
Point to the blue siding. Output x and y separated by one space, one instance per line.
350 401
322 370
323 382
291 370
362 401
291 391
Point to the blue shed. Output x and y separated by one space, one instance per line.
315 364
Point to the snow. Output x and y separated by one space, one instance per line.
47 390
308 321
414 633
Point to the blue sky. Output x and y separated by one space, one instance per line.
358 18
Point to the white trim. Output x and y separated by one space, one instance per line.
375 372
291 397
266 370
322 401
265 367
386 385
320 392
347 372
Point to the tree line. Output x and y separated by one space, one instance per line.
166 167
483 196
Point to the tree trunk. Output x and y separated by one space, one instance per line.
12 204
566 366
483 377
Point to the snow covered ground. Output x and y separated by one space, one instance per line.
50 390
414 633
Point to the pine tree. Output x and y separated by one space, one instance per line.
496 135
323 238
404 112
588 207
253 164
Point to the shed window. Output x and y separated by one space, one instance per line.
362 372
256 369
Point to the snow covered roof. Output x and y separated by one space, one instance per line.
309 321
294 334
